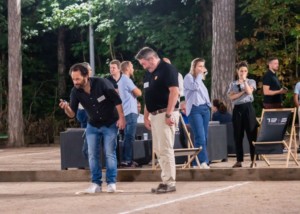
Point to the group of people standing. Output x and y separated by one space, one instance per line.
111 105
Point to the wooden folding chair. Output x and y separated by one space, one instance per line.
271 135
190 151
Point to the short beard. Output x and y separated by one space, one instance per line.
81 85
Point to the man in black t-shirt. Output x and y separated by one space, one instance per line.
105 115
271 86
161 113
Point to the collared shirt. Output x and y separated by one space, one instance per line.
100 104
140 118
156 86
236 87
129 101
271 80
113 81
297 90
195 92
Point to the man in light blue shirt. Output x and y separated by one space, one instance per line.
297 102
128 92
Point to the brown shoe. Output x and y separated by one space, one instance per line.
237 165
163 188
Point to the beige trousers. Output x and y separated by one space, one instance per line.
163 138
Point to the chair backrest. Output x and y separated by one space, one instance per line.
273 125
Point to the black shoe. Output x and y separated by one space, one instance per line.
163 188
237 165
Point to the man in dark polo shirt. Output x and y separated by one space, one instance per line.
271 86
161 113
105 115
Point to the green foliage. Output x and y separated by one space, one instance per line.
55 14
275 31
122 27
288 101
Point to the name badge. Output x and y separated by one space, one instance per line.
146 84
100 99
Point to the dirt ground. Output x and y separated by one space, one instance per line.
190 197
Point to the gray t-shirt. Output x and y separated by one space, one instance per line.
236 87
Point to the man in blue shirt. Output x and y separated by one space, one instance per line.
128 93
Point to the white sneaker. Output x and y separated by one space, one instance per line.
111 187
196 167
204 166
93 188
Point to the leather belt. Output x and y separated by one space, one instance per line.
159 111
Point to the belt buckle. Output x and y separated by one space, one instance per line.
155 112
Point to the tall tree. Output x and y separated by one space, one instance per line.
61 52
223 48
15 110
59 16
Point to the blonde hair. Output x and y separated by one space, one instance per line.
125 65
194 64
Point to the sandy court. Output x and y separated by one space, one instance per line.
191 197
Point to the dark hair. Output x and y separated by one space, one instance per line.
241 64
216 103
145 53
81 67
220 106
270 59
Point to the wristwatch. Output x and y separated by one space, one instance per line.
168 115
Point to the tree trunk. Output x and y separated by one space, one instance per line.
205 20
223 49
61 52
15 110
1 83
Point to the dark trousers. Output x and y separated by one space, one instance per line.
244 119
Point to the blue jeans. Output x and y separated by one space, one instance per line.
85 151
109 140
198 120
82 117
129 137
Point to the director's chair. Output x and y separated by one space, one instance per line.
271 135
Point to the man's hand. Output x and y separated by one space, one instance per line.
283 90
121 123
66 107
147 123
170 121
63 104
